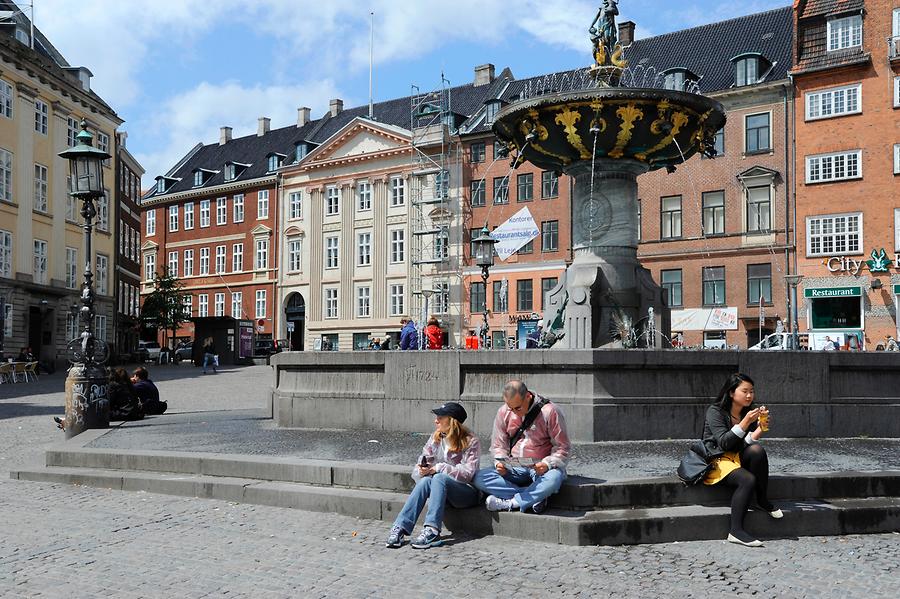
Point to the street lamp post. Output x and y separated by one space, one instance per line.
484 257
793 281
423 322
87 402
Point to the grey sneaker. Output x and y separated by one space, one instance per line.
495 504
395 538
429 538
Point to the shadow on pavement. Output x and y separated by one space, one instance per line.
17 409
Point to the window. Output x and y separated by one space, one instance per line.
189 263
41 117
262 204
473 235
237 304
71 211
671 282
525 187
100 327
398 246
836 101
204 213
670 213
500 297
491 110
844 33
719 142
294 205
476 297
332 201
759 283
260 303
714 213
294 255
149 267
441 184
834 167
6 169
103 212
441 297
549 185
203 305
528 248
237 257
273 162
160 185
300 151
151 222
524 293
238 208
71 266
746 71
103 145
364 195
547 286
500 150
639 221
398 191
759 209
757 133
477 192
219 304
262 254
363 297
674 80
204 261
40 188
6 99
331 252
501 190
173 264
198 178
896 92
550 236
221 211
230 172
173 218
188 216
897 159
331 303
40 261
220 259
442 244
398 297
714 286
8 321
477 152
363 249
837 234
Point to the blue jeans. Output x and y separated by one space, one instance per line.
437 489
209 359
522 484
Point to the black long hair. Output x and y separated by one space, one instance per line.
724 399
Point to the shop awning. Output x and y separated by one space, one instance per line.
828 292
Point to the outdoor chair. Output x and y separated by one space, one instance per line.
19 371
7 374
31 370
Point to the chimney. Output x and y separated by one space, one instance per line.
263 126
224 135
335 106
484 74
302 116
626 33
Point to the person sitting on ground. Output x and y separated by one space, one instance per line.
409 336
449 460
386 344
471 340
209 355
123 401
433 334
732 426
530 446
147 392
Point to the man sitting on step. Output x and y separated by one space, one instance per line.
530 446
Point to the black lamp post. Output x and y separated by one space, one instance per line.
484 257
793 281
87 402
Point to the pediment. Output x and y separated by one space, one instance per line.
294 231
261 230
361 137
756 172
149 246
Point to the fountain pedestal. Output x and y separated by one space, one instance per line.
605 277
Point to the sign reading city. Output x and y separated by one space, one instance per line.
829 292
879 263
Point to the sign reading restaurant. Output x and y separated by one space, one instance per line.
825 292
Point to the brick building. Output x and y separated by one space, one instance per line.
127 270
847 78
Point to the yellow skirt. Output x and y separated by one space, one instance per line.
722 467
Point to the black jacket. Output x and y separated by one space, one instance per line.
717 435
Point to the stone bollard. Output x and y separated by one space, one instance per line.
87 399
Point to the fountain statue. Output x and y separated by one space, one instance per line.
589 125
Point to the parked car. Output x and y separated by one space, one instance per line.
781 341
265 347
184 351
148 351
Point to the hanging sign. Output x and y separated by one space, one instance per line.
514 233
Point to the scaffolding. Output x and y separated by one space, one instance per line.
435 210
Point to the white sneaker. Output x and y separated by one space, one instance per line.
495 504
777 514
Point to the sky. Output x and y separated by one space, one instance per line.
177 70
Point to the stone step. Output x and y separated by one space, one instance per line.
570 527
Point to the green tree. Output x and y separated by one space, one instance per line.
164 308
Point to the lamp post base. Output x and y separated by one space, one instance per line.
87 399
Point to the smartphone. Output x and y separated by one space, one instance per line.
423 463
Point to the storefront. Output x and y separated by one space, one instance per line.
835 314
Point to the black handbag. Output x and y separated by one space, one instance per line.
696 463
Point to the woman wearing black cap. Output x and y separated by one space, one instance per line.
449 460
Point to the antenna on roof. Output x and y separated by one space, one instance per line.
371 50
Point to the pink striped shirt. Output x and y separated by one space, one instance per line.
547 440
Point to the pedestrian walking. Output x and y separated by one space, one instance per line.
209 355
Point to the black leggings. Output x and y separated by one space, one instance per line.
753 474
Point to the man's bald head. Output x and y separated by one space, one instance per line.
517 397
514 388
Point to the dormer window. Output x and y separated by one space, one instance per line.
160 185
22 36
749 69
491 110
229 171
844 33
198 178
273 161
675 79
300 151
202 175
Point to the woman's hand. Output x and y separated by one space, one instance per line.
755 435
751 417
426 471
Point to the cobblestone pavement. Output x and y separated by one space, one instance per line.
66 541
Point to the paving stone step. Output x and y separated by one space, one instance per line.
570 527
